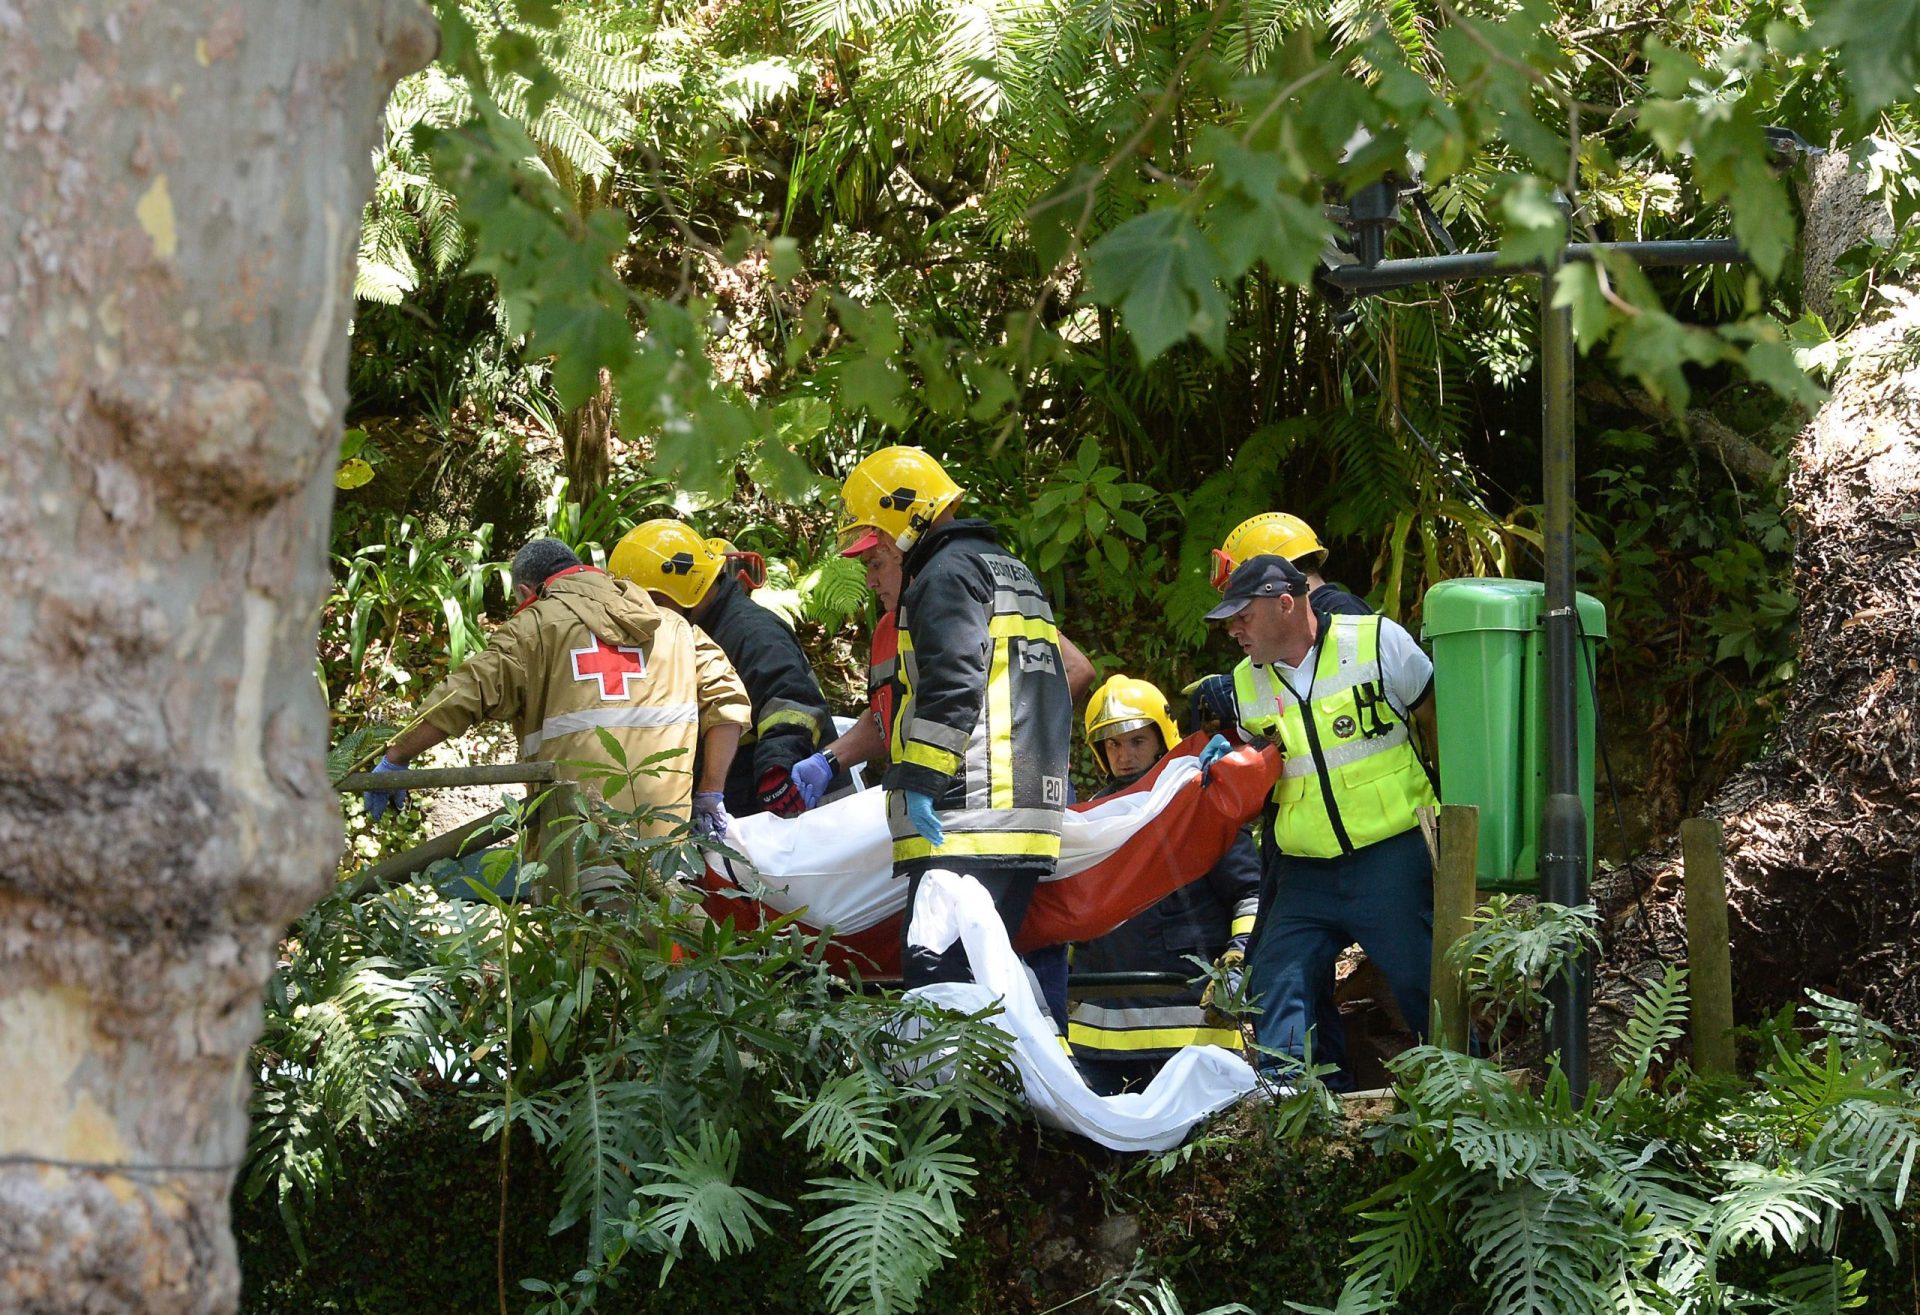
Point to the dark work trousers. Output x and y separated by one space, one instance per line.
1111 1077
1011 889
1380 896
1049 964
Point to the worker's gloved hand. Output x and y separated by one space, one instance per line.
810 778
378 801
710 815
780 794
1210 705
1216 749
1232 967
925 821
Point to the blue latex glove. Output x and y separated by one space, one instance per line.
378 801
810 777
1217 748
710 815
920 813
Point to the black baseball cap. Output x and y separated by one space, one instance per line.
1265 576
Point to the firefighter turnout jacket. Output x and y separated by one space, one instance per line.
1352 776
985 720
1204 919
883 674
592 653
790 716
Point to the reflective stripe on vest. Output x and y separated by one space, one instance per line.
1351 776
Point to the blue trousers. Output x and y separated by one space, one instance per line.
1313 908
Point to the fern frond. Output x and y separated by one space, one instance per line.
1659 1019
697 1191
875 1252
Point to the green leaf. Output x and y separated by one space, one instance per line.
1879 45
783 259
352 474
1160 270
1656 347
874 382
1535 228
1576 287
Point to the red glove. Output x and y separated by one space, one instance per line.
779 795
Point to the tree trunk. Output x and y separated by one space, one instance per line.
180 190
586 441
1823 834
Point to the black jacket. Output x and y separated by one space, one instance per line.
1204 918
790 716
985 719
1332 598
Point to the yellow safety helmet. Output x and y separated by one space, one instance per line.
1271 533
898 491
1125 704
667 557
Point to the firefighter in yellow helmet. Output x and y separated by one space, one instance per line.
1210 699
1121 1043
981 737
790 718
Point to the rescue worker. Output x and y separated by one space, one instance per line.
1210 699
1120 1043
581 654
1284 535
1343 859
982 733
682 572
749 569
1210 702
867 739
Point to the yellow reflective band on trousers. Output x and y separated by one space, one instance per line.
1082 1037
1359 746
975 844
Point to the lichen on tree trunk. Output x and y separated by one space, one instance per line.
1822 843
180 192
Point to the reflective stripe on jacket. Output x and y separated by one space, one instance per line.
1351 776
790 716
985 721
592 654
1205 919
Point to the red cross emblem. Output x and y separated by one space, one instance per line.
609 664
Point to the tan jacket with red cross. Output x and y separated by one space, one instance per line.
594 653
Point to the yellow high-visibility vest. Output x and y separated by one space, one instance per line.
1351 776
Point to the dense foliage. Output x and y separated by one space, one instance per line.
629 260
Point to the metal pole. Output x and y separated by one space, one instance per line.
1386 275
1563 829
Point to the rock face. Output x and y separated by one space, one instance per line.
180 190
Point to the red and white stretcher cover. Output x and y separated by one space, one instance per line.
1118 856
1196 1082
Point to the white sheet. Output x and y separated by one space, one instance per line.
836 861
1197 1082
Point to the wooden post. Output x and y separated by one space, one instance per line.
1454 893
1709 946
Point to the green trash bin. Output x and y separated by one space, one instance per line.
1490 695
